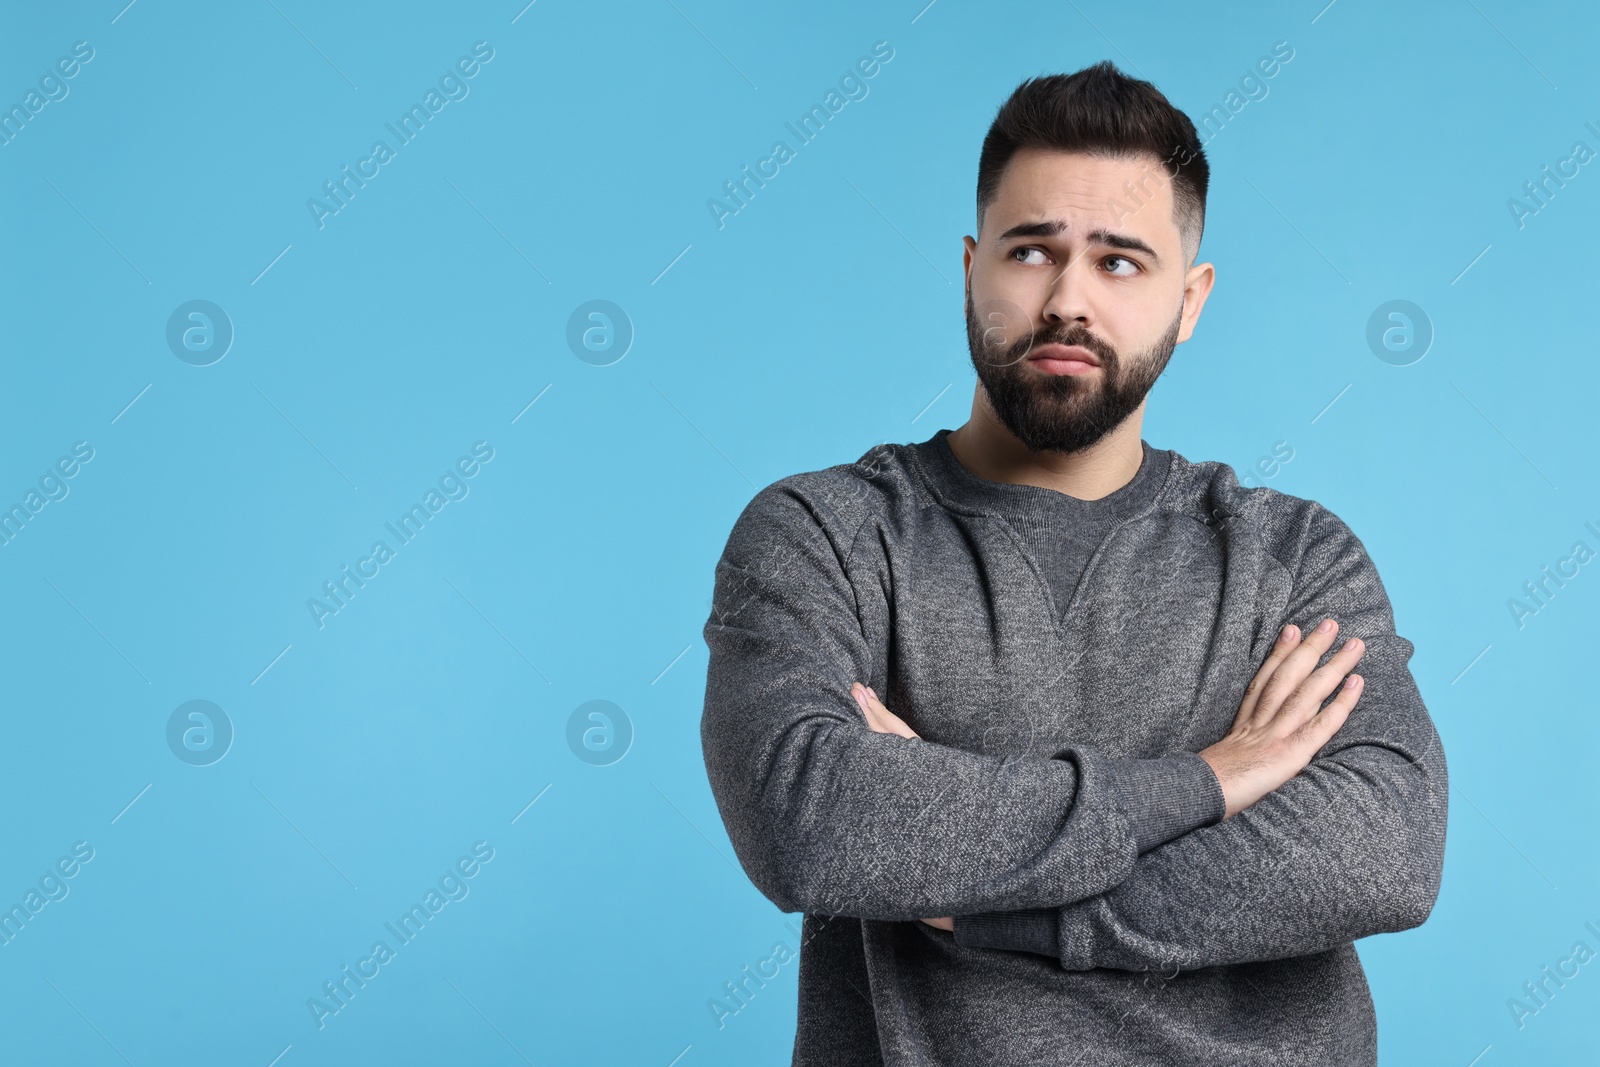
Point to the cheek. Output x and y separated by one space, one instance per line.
1003 317
1022 290
1144 323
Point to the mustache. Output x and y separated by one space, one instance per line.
1074 335
1005 334
1069 336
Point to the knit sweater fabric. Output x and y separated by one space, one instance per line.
1054 804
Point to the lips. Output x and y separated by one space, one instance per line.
1055 351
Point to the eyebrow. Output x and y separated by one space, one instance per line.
1055 227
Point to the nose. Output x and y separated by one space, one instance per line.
1067 301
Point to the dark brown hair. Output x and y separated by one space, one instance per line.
1102 112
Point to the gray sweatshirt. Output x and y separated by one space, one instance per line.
1054 804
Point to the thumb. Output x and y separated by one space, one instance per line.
892 723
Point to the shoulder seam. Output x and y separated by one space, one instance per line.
1255 524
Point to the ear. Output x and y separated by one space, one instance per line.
1197 286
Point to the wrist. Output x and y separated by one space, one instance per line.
1224 784
1166 797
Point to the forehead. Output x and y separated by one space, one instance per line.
1132 195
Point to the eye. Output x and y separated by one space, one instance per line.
1026 250
1123 259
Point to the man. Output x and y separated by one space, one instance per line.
1109 819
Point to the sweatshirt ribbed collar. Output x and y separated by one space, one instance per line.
954 484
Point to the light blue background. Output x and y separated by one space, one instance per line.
824 318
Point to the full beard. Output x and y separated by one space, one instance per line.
1063 413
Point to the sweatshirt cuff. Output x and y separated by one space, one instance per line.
1029 930
1162 799
1167 797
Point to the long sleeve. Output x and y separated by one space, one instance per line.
828 816
1351 846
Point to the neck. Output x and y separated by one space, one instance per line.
987 448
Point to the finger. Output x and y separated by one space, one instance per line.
858 693
1316 731
1310 694
1296 666
1288 638
891 721
865 703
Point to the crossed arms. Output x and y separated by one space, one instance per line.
1094 860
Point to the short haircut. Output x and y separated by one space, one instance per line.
1102 112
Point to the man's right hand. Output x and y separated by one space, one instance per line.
1279 727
